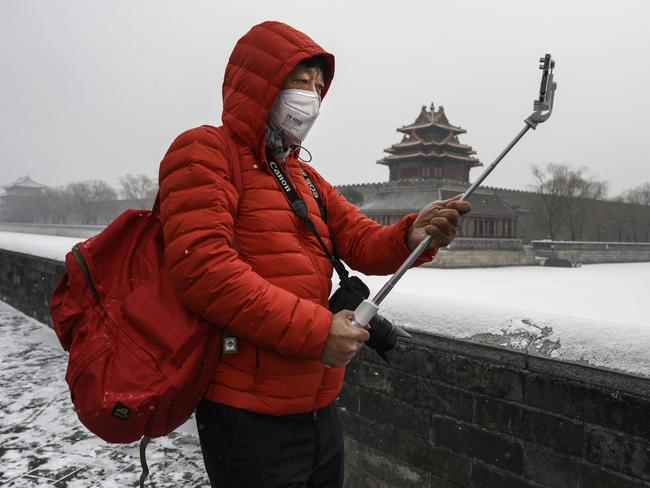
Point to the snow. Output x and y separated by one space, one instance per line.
597 314
42 443
52 247
611 292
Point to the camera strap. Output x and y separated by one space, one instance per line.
299 207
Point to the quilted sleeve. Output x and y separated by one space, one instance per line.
198 202
362 243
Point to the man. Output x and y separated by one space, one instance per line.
246 262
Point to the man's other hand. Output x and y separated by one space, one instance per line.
344 340
440 219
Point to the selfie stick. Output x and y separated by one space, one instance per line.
542 111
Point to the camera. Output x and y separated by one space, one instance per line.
350 293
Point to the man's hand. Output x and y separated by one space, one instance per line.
344 341
440 219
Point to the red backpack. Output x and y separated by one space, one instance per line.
139 360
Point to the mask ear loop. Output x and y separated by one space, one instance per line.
297 147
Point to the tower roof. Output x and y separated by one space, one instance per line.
25 182
431 138
433 155
431 119
412 142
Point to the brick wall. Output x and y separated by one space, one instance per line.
462 258
26 283
449 413
593 252
474 253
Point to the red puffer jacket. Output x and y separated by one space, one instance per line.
247 263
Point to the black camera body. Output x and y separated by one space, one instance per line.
350 293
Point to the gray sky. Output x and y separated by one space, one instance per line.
94 89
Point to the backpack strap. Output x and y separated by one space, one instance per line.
143 459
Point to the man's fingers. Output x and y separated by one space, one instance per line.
441 230
430 211
360 334
364 336
443 225
461 207
449 214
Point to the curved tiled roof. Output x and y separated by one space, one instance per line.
25 182
420 154
431 118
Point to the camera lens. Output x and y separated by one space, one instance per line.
383 335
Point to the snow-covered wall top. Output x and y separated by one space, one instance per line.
596 314
51 247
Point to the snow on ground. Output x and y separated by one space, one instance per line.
43 444
52 247
597 314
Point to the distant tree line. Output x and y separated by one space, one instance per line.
90 202
568 203
567 195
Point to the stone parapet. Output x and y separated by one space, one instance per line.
477 258
452 413
449 413
593 252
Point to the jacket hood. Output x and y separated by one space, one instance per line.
260 62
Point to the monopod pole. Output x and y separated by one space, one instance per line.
424 245
543 108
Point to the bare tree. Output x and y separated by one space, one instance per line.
87 196
550 188
137 187
580 190
53 205
640 195
565 193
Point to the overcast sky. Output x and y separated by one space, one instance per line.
92 89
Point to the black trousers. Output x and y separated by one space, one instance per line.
243 449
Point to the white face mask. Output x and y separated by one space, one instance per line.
294 111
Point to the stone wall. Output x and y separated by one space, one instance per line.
593 252
449 413
27 282
482 259
477 253
599 220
